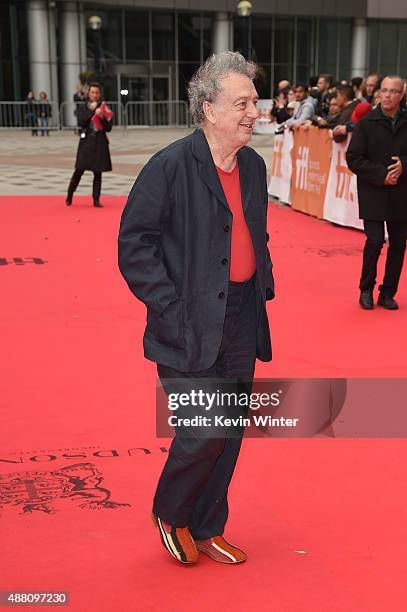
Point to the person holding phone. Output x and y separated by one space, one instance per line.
94 120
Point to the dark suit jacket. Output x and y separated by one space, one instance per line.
174 251
374 142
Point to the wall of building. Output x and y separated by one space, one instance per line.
387 9
321 8
152 47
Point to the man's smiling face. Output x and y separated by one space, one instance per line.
234 110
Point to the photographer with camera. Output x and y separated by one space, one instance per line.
94 120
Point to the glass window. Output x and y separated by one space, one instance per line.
373 37
189 37
263 81
283 42
303 73
22 52
304 41
261 39
137 86
345 50
327 46
241 34
185 73
403 50
6 72
137 35
388 47
5 29
161 88
163 36
282 72
207 29
110 34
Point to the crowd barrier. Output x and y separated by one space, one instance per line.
310 173
166 113
157 114
20 115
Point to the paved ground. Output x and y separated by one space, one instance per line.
43 165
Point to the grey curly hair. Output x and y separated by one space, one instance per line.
206 84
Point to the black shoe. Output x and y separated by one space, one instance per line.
68 201
366 299
387 302
97 204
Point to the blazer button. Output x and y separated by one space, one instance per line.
221 295
224 261
226 228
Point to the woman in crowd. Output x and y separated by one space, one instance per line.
94 120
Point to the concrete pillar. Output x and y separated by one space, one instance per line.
70 58
221 27
53 94
39 46
82 35
359 48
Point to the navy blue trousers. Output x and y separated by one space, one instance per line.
192 489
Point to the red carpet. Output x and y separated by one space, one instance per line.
76 391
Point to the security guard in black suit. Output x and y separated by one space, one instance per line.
377 154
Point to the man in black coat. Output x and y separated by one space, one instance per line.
378 155
193 248
94 120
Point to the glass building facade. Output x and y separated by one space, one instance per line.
152 53
14 61
387 51
168 47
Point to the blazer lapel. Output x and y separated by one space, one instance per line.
207 169
246 181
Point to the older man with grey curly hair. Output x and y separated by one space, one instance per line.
193 249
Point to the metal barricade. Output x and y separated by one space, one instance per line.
166 113
37 116
68 114
25 116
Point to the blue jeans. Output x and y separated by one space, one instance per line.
43 123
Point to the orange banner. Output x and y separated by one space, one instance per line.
311 156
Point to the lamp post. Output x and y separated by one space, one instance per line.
95 24
244 10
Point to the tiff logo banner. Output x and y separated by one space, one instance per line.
301 163
344 188
276 168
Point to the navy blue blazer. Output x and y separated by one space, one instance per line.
174 251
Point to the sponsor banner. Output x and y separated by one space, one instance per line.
341 199
311 161
282 167
264 124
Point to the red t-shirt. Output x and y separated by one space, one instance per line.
242 257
